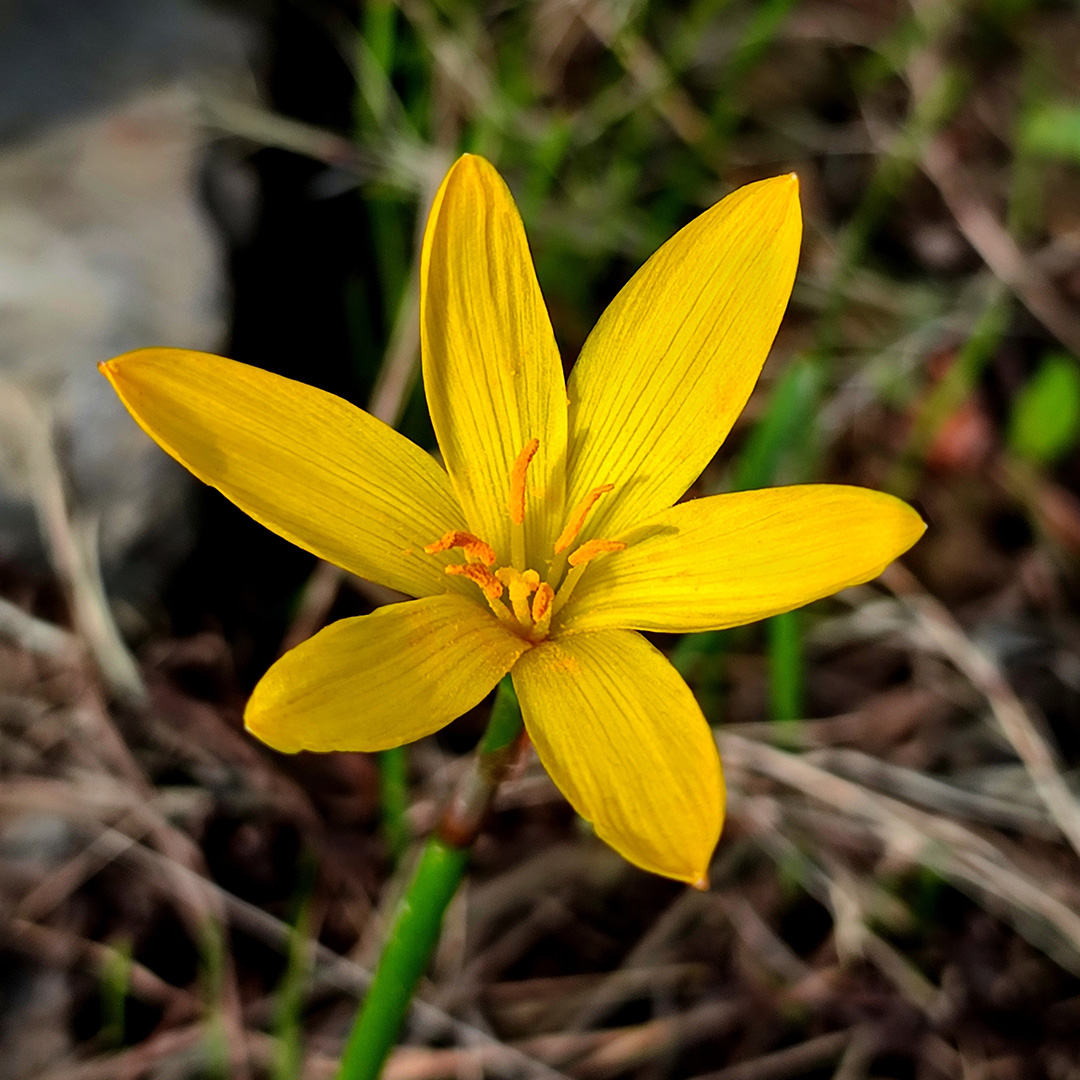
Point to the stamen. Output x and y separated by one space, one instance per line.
591 548
489 584
578 561
516 505
541 607
474 548
569 583
578 516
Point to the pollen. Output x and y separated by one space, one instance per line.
591 548
518 471
489 584
541 605
476 551
578 516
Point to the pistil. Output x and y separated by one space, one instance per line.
520 586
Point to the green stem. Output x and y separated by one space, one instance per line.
405 957
786 679
417 922
394 800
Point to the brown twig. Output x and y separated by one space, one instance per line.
989 237
71 540
1032 746
947 847
792 1061
135 1062
47 944
36 636
625 1048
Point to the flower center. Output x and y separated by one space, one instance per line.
517 594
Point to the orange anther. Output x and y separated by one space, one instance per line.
516 505
577 518
591 548
489 584
475 549
541 605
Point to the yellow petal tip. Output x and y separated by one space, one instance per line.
785 184
470 161
782 191
268 733
701 883
910 525
111 368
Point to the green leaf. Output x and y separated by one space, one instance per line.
1053 131
787 424
1045 419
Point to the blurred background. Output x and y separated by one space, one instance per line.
897 892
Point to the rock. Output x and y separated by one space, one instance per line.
105 246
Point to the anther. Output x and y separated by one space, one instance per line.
541 606
591 548
516 505
578 516
489 584
474 548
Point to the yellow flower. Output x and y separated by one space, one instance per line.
550 538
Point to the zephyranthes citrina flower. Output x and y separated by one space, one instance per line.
550 539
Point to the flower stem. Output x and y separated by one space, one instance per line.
786 667
393 768
418 919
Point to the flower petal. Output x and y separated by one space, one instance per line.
316 470
491 366
623 738
673 359
732 559
382 679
